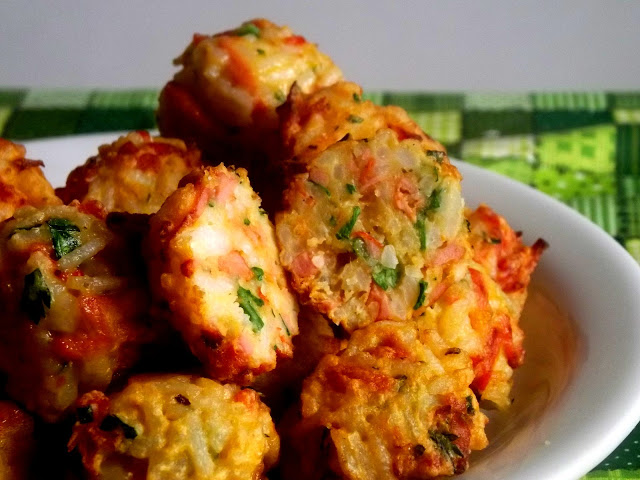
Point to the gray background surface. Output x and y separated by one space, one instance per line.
453 45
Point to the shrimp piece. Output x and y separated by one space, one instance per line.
213 264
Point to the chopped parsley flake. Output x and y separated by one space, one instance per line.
357 98
438 155
351 188
345 231
247 29
260 51
422 288
355 119
35 296
444 442
250 303
385 277
434 199
63 236
247 221
321 187
258 272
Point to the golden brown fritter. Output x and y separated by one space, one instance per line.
501 251
74 305
395 404
17 444
213 262
175 427
311 123
471 312
134 174
365 222
225 96
21 181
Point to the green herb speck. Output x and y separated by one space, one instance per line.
355 119
247 29
35 296
345 231
321 187
422 288
258 273
63 236
351 188
438 155
444 442
250 303
385 277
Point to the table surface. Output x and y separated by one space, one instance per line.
582 148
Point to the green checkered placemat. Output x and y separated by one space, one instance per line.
580 147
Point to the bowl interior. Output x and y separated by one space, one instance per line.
578 394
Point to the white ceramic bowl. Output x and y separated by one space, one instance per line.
578 394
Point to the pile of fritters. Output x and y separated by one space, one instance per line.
152 304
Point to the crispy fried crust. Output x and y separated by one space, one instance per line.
74 305
501 251
225 96
394 404
365 222
213 262
175 426
311 123
16 442
21 181
134 174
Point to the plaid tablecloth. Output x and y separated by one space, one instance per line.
582 148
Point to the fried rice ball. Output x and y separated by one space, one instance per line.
394 404
21 181
134 174
213 263
176 427
501 251
17 444
472 313
365 222
74 305
225 96
311 123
